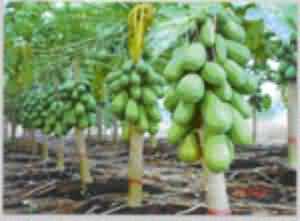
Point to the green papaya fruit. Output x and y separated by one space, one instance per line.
234 31
189 150
171 99
173 70
125 131
158 90
58 130
115 86
217 115
135 78
127 66
69 118
184 113
124 81
148 96
193 57
190 88
207 33
143 123
153 128
250 85
240 132
291 72
224 92
221 49
79 109
153 113
83 122
235 74
240 104
216 154
135 92
238 52
92 119
176 133
132 111
119 103
213 74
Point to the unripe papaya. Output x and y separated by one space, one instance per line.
143 121
153 113
207 33
132 111
240 132
213 74
173 70
217 115
238 52
224 92
171 99
234 31
250 85
193 57
135 78
184 113
238 102
291 72
189 150
176 132
216 153
153 128
221 49
119 103
148 96
190 88
135 92
235 74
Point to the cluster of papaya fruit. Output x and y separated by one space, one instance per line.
57 110
207 94
135 90
287 54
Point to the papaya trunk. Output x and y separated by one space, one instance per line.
99 124
292 124
115 132
85 176
45 155
254 126
13 134
34 146
60 161
135 168
217 198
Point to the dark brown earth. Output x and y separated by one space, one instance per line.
258 182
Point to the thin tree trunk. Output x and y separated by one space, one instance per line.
45 151
99 124
135 168
5 130
115 134
254 126
34 146
85 174
60 161
292 124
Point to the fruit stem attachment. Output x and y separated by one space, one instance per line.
135 168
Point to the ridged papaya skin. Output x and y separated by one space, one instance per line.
171 99
176 133
224 92
238 52
192 57
132 111
207 33
189 150
184 113
213 74
235 74
250 86
119 103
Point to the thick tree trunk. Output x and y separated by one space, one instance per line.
85 174
99 124
217 198
293 117
254 126
60 161
135 169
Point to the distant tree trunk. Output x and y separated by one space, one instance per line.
115 134
293 123
99 123
34 146
60 160
5 130
254 126
45 149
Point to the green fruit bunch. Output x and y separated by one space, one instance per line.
56 111
135 90
208 89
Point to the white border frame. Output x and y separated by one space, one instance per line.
136 217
